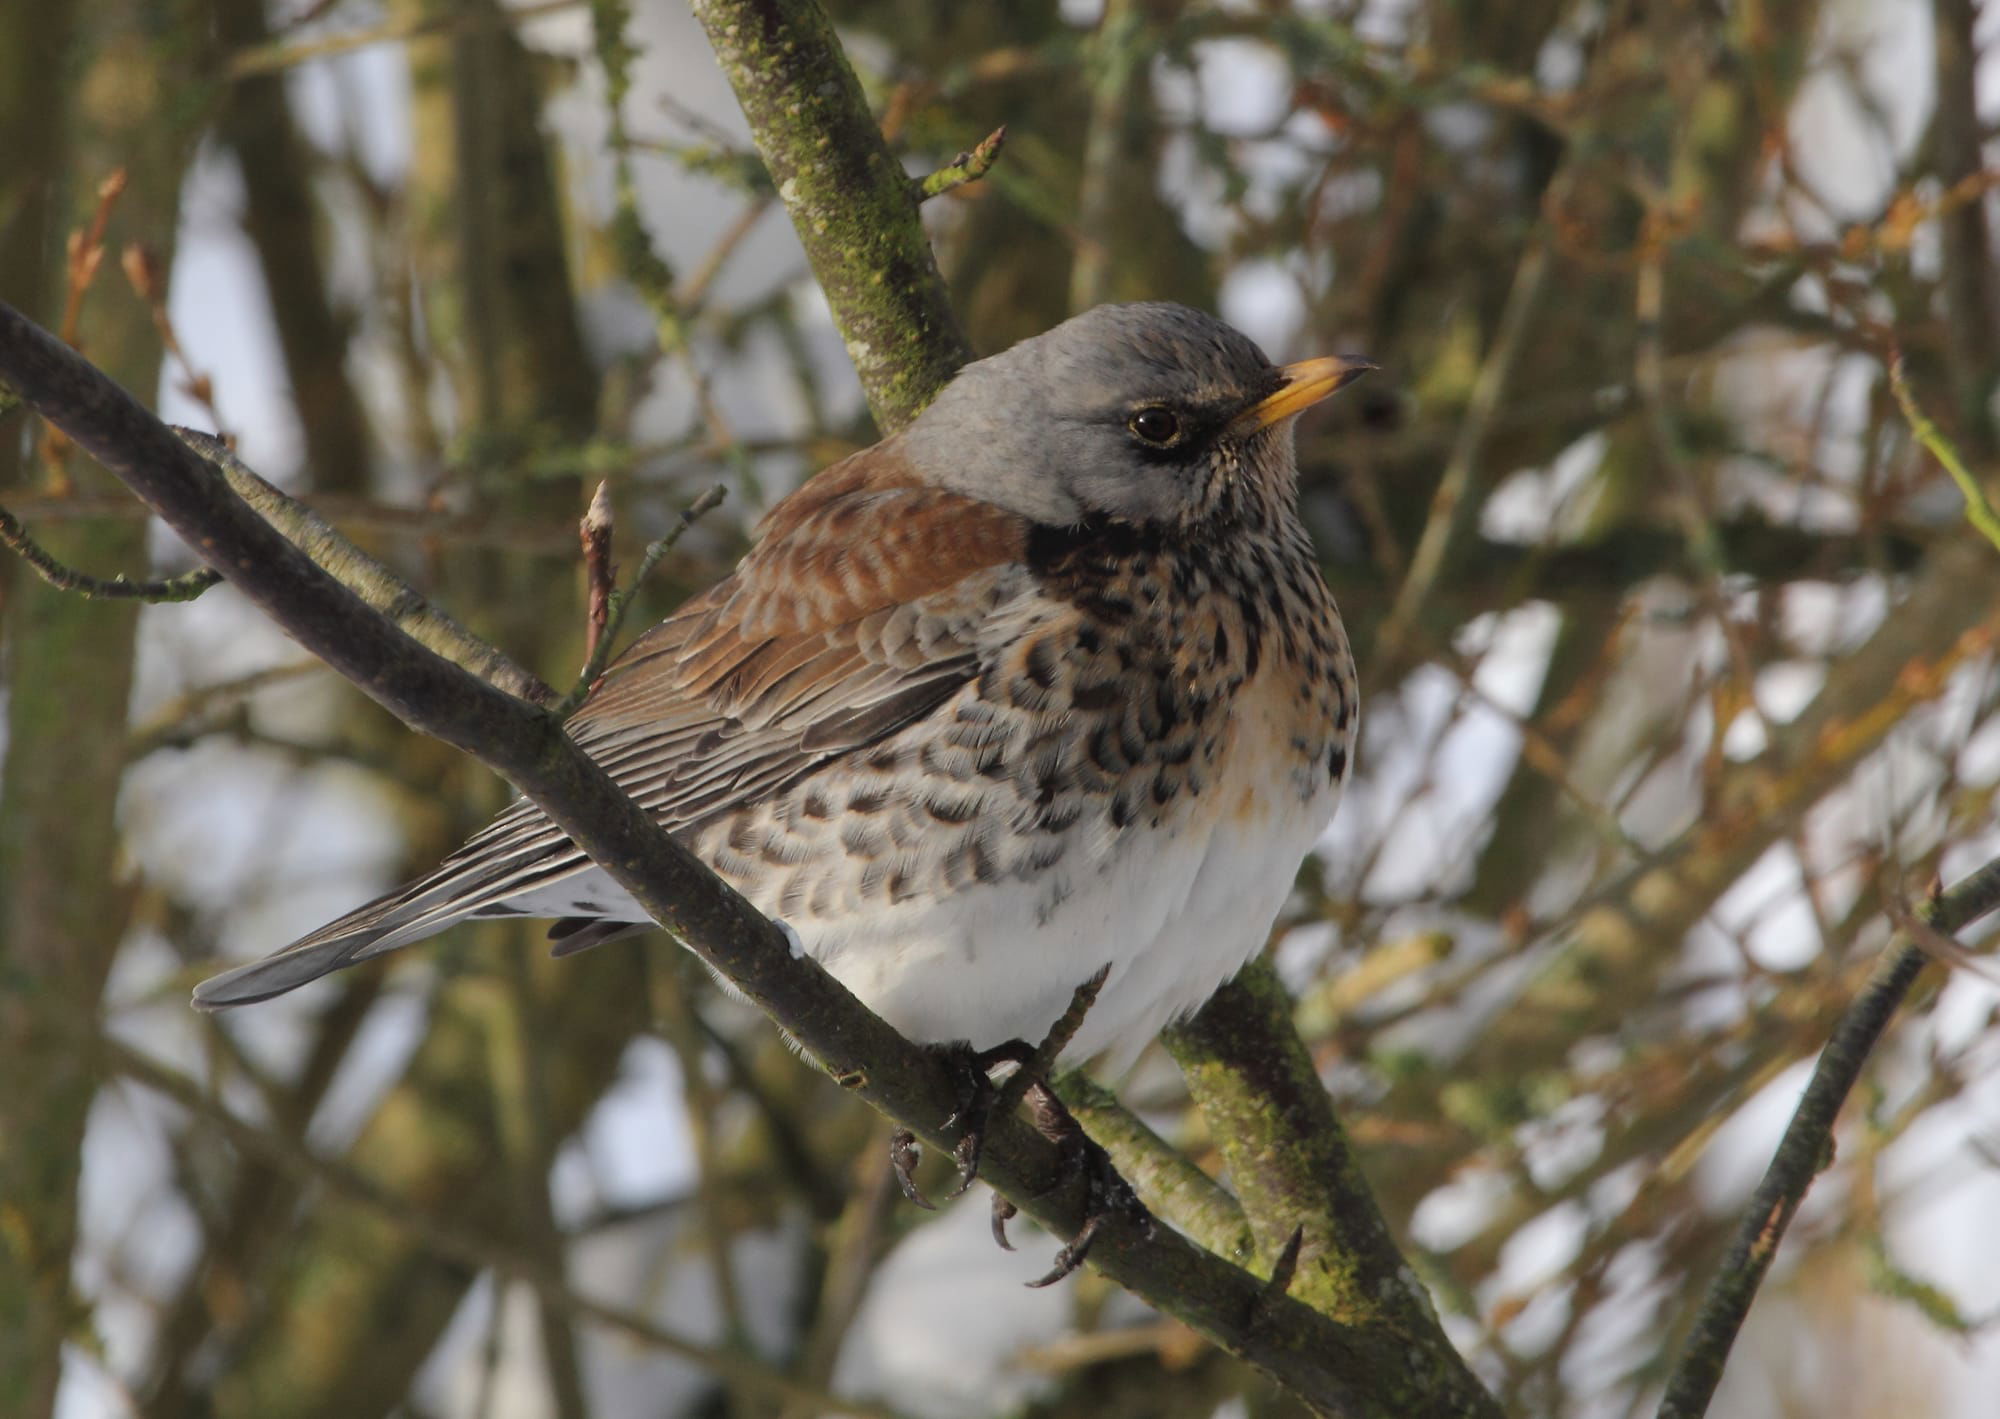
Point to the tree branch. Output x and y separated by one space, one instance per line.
377 586
185 587
853 206
1301 1187
1807 1146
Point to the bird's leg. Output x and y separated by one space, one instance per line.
976 1108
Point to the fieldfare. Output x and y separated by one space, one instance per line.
1046 683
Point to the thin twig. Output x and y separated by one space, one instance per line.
1450 510
144 272
600 654
968 166
1934 943
184 587
600 572
1978 511
1690 508
285 54
199 711
448 1238
369 579
1804 1150
1084 1350
694 290
84 253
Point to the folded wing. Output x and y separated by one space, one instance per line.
857 613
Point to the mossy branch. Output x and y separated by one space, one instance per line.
853 206
184 587
1302 1189
1166 1180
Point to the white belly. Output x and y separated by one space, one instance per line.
1174 911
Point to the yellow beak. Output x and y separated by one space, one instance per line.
1306 383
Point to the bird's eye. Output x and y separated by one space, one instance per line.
1156 426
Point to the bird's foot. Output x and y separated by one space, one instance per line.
978 1095
1107 1196
979 1098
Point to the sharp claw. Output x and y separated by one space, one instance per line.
1065 1264
1071 1256
1003 1211
966 1155
903 1157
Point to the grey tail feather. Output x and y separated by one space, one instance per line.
274 975
383 925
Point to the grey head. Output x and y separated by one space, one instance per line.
1146 413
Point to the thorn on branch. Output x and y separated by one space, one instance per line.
184 587
1065 1028
618 601
1041 1067
966 167
1285 1269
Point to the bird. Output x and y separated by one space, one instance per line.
1046 684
